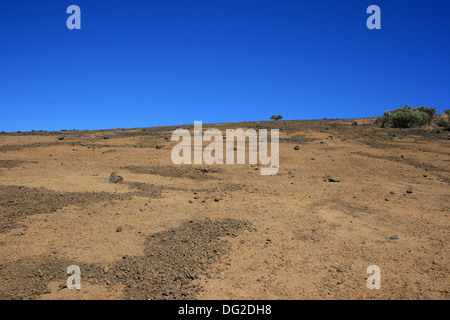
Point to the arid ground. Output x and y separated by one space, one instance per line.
171 231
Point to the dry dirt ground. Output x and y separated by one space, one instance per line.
177 232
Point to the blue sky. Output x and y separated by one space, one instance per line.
169 62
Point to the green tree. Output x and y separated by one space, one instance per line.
275 118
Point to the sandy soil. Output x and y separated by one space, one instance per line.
178 232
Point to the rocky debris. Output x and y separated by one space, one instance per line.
119 229
171 171
190 274
109 151
17 202
172 260
335 179
31 277
61 138
297 147
8 164
159 147
410 190
354 123
298 139
148 190
394 237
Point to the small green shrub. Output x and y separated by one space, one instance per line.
431 112
274 117
406 117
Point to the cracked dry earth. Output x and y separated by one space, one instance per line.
182 232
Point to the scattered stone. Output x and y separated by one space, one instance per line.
190 274
105 137
409 191
62 286
297 147
339 270
159 147
336 179
354 123
387 199
119 229
61 138
392 192
394 237
115 178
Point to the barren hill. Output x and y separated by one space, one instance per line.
347 195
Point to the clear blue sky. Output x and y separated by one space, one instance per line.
168 62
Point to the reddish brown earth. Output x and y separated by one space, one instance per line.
176 232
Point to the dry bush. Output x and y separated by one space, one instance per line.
429 129
443 120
